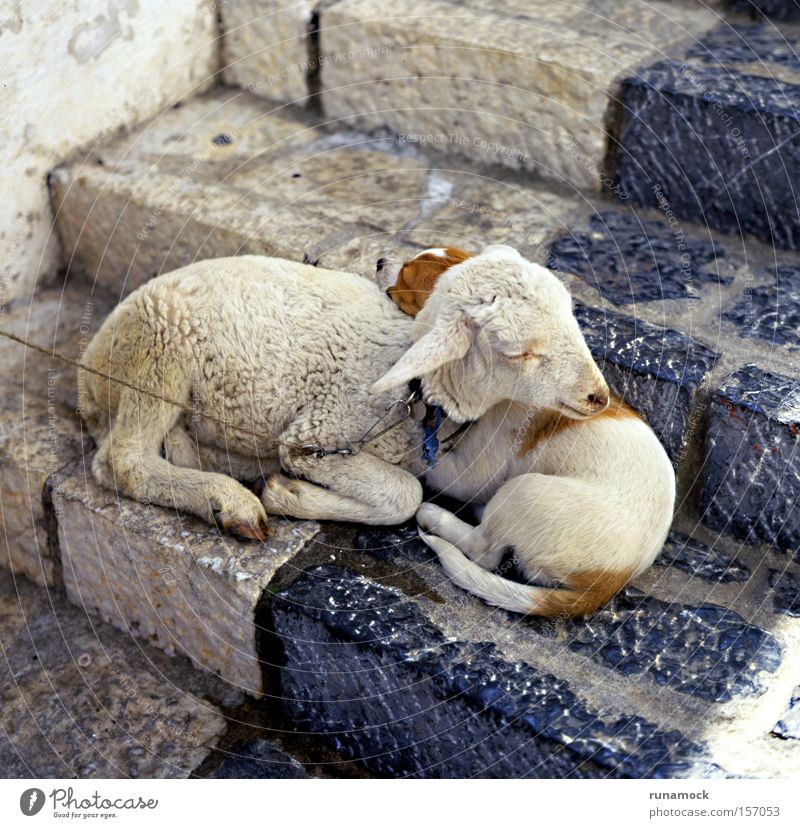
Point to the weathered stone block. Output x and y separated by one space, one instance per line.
40 436
169 578
174 192
656 370
100 67
706 651
718 145
776 9
526 86
751 477
367 669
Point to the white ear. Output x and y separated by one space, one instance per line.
446 342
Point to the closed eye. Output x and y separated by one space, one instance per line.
523 355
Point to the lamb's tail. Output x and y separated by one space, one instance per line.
585 592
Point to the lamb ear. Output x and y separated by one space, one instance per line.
443 344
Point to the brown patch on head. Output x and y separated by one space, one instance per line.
418 276
549 423
586 592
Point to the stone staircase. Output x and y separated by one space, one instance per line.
646 151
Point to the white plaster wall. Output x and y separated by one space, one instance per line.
74 71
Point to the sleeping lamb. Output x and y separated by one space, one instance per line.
240 367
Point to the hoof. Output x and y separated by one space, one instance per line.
241 529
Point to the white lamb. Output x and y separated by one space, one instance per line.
273 356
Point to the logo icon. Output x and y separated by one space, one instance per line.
31 801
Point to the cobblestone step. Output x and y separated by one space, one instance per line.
40 435
407 674
670 310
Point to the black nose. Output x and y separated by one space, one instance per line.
381 263
599 401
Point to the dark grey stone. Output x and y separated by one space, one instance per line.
631 260
364 667
751 480
706 651
695 557
259 759
717 146
390 543
776 9
749 43
785 592
771 312
789 725
656 370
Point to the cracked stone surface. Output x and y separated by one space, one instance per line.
78 699
265 48
751 481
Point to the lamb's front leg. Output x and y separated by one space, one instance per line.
360 488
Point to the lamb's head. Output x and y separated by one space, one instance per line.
497 327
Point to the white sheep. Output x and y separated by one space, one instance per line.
273 355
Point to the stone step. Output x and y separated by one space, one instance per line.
404 672
528 86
